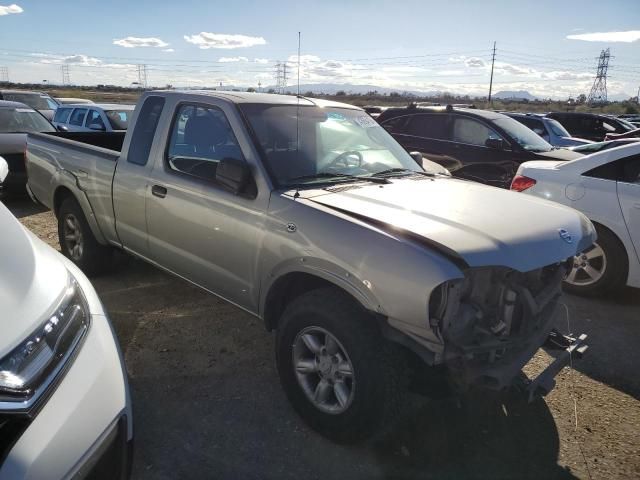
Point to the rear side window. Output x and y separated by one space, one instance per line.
95 119
77 117
624 170
144 130
428 126
472 132
62 115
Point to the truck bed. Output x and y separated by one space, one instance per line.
107 140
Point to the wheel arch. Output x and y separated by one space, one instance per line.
291 284
63 192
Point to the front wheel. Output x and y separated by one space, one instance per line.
340 375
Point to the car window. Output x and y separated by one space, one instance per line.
631 169
200 138
396 124
144 130
557 128
62 115
428 126
534 124
472 132
23 120
77 117
119 119
94 118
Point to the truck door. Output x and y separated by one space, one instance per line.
130 182
629 197
197 229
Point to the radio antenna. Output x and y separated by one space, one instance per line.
298 101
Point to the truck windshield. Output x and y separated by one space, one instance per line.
119 119
23 120
526 138
309 144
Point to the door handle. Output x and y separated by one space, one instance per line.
159 191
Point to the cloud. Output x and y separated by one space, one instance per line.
474 62
168 50
206 40
626 37
10 9
232 59
133 42
261 60
303 59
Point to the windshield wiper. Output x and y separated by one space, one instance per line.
402 170
328 175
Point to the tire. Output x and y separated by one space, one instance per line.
84 250
609 257
378 383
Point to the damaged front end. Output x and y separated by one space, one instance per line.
493 321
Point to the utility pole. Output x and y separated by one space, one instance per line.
142 76
4 74
65 74
637 96
598 93
281 76
493 61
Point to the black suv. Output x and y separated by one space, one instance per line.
591 126
475 144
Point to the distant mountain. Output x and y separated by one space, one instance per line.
514 95
333 88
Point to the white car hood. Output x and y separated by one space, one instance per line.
481 225
32 278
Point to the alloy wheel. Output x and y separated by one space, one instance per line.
588 267
72 233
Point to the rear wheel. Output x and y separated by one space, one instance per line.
341 376
601 268
77 241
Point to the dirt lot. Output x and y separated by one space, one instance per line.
207 401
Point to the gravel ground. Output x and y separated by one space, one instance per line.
207 402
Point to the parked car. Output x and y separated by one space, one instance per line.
591 126
374 110
103 117
600 146
605 186
308 215
16 120
549 129
65 410
474 144
73 101
39 101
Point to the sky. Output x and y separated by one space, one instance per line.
548 48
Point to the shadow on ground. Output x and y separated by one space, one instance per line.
208 404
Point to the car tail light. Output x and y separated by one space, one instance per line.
520 183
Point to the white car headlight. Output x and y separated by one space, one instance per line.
34 365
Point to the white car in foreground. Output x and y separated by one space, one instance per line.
605 186
65 410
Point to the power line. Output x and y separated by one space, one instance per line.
65 74
598 94
142 76
281 76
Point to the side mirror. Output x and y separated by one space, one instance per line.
417 157
4 169
97 126
62 128
233 174
495 143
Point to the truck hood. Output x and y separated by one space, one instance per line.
32 277
480 225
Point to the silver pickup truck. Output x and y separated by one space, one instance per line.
308 215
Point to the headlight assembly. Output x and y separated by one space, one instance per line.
34 365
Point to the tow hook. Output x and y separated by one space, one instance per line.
571 346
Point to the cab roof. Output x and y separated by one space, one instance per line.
254 97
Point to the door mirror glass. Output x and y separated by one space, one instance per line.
4 169
233 174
